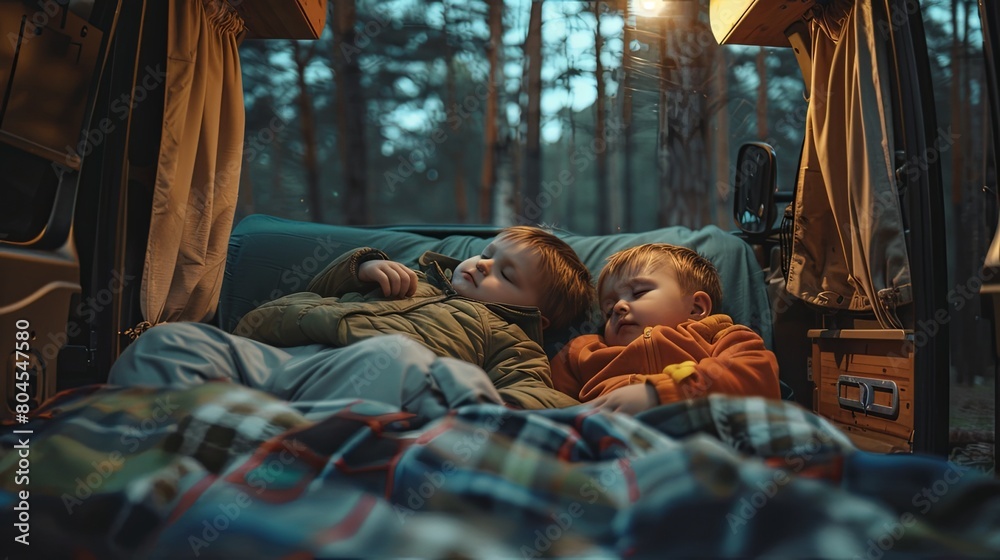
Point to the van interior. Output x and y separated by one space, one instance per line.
187 161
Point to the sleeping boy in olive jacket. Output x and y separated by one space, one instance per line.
489 310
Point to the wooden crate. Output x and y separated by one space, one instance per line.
864 383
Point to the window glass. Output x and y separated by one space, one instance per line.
630 119
27 192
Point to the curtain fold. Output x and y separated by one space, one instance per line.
201 150
846 189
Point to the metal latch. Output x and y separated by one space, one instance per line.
867 387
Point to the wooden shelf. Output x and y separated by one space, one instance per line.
282 19
870 334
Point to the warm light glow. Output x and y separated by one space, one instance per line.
649 7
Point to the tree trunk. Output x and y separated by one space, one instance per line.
277 194
455 147
505 206
607 215
957 98
722 174
571 190
532 177
628 33
245 200
488 174
959 335
307 121
761 94
972 236
663 216
686 188
350 113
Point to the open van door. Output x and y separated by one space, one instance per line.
85 89
51 60
922 196
989 13
866 246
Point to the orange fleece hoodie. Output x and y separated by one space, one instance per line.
698 357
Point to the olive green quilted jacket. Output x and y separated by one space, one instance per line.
338 309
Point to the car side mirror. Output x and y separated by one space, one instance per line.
755 186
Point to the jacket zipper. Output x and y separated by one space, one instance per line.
647 343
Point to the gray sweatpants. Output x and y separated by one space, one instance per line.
392 369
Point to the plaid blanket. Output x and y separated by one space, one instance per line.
219 470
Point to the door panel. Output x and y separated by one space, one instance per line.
989 12
50 61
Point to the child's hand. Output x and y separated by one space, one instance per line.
630 399
396 280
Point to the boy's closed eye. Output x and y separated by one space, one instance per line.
504 272
636 294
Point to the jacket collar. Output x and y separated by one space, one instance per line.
439 269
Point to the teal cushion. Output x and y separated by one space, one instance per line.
270 257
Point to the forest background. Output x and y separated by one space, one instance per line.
595 117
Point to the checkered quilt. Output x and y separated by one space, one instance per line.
222 471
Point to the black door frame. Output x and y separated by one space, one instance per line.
915 126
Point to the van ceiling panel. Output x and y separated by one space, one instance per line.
756 22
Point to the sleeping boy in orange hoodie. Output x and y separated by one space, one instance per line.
661 341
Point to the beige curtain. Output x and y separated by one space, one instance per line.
846 189
198 171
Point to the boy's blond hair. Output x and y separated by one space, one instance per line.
567 290
693 271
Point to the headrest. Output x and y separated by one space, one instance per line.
270 257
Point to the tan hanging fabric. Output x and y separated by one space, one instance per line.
847 189
198 171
